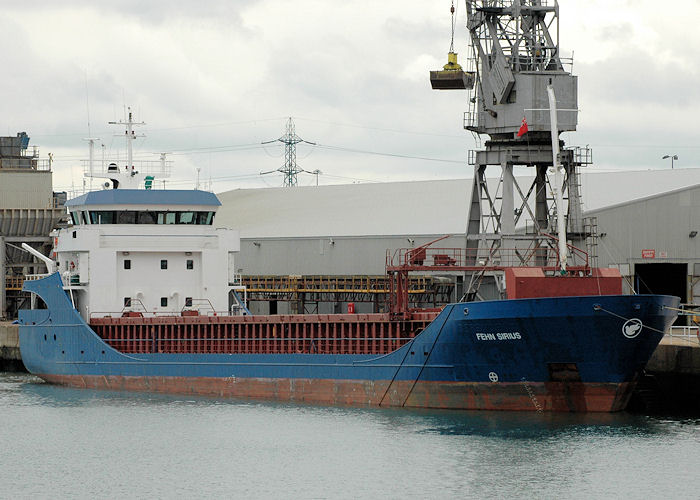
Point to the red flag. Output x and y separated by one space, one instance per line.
523 128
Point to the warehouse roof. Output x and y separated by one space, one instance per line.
407 208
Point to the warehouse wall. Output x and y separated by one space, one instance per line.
654 230
351 255
25 189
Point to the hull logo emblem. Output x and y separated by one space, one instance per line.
632 328
493 377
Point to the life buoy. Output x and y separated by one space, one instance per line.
72 265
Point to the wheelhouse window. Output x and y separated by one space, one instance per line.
102 217
147 217
186 218
167 217
126 217
205 218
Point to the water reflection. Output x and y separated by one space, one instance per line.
242 448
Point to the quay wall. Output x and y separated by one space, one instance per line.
10 359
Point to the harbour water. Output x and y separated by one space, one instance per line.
58 442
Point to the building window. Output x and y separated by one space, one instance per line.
190 264
127 263
127 301
188 301
163 264
164 301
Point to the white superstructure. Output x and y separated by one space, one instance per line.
152 252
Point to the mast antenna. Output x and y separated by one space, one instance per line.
130 136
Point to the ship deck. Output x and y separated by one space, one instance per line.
277 334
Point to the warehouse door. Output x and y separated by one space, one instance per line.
662 279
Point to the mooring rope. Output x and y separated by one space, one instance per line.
598 307
408 348
425 362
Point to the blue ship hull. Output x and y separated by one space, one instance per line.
559 354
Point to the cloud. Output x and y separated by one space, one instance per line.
354 74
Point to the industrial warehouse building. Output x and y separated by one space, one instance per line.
647 225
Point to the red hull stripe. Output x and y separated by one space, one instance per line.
548 396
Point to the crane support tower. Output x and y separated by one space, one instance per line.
516 56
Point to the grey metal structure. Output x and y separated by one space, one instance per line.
516 53
29 210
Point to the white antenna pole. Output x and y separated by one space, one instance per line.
91 161
92 154
558 178
130 136
197 186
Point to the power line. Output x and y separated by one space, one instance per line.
393 155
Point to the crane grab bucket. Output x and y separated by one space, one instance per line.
451 77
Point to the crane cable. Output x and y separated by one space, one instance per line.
452 40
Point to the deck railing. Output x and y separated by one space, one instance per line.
685 332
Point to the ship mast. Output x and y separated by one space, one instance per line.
130 136
135 175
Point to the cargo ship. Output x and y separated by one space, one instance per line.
143 295
142 292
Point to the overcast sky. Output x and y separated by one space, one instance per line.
212 79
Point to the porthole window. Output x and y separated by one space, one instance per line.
127 301
127 263
164 301
163 264
190 264
188 301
